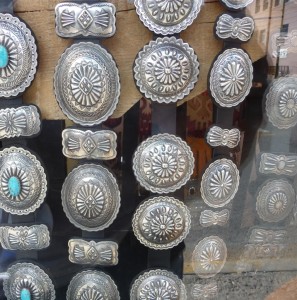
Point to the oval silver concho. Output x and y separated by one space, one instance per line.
87 84
166 70
163 163
20 46
90 197
231 77
158 284
236 4
23 183
161 222
92 284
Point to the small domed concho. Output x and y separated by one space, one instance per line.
90 197
86 83
23 182
236 4
166 70
18 56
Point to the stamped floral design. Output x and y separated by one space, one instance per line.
288 103
205 291
217 136
158 289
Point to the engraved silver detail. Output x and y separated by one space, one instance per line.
163 163
217 136
166 70
256 251
211 218
204 291
237 4
262 236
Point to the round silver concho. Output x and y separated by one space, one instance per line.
87 84
92 284
90 197
19 45
236 4
209 257
275 200
23 183
31 277
161 222
166 70
163 163
158 284
219 183
281 102
231 77
167 17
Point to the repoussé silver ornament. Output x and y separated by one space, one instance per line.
218 136
237 4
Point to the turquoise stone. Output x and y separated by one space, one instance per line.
25 294
3 57
14 186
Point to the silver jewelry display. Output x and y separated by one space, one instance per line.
219 183
281 102
161 222
212 218
231 77
88 20
163 163
104 253
20 47
167 17
217 136
90 197
204 291
33 237
23 183
262 251
263 236
275 200
92 284
209 257
31 277
86 83
158 284
237 4
166 70
89 144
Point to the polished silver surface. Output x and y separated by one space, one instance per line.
92 285
86 83
218 136
20 45
241 29
103 253
275 200
204 291
91 197
33 237
88 20
166 70
89 144
163 163
278 164
209 257
31 277
212 218
167 17
158 284
219 183
281 102
20 121
237 4
264 236
231 77
21 167
161 222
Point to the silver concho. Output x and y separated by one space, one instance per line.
281 102
89 144
31 277
92 284
167 17
33 237
231 77
219 183
163 163
158 284
263 236
161 222
86 83
217 136
275 200
166 70
204 291
209 257
235 28
90 197
20 47
23 182
212 218
237 4
88 20
103 253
